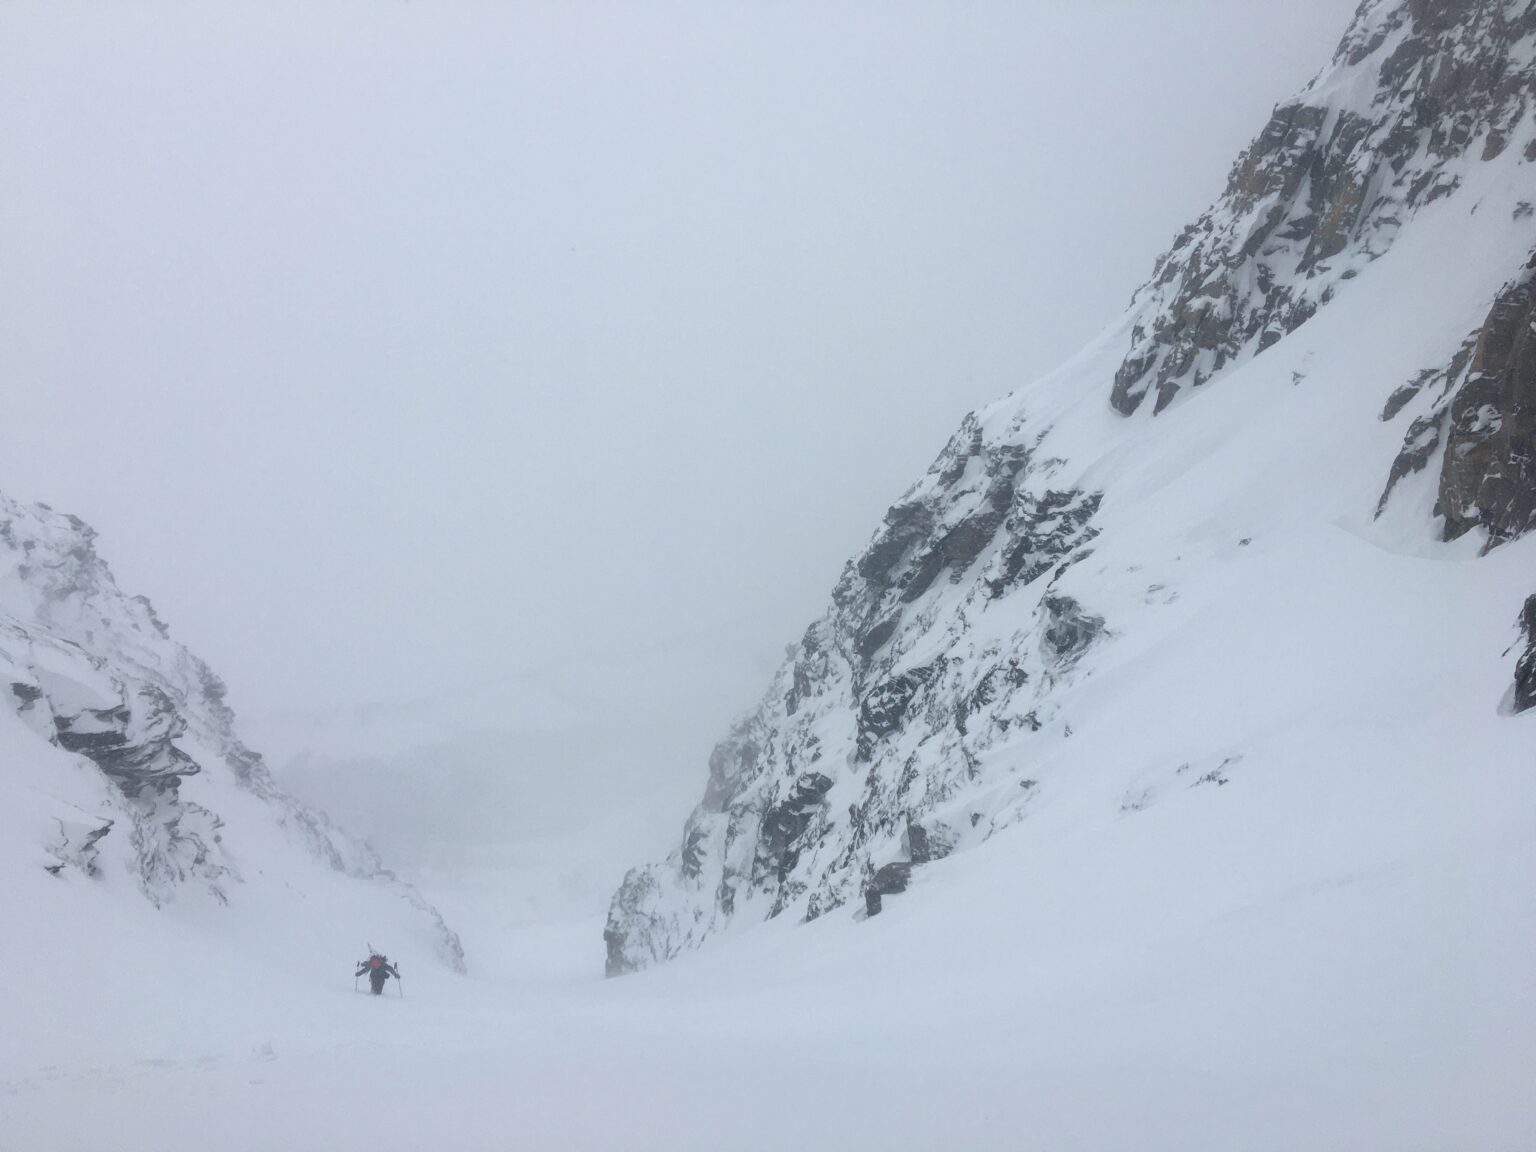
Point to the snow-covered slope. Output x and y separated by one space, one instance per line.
1245 686
1082 608
123 775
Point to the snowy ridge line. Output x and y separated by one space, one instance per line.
941 697
93 672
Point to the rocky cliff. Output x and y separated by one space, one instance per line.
1480 422
1329 183
94 673
936 701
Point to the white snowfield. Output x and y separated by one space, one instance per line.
1277 890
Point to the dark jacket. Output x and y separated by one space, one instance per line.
385 969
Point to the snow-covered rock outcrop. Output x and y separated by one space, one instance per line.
121 755
1480 421
997 649
1331 181
1524 694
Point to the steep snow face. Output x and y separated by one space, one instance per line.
122 759
1072 608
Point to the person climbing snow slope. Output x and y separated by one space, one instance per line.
379 970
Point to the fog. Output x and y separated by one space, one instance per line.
403 352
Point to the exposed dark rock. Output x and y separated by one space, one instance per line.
787 821
1482 424
884 709
877 637
887 881
1319 193
132 743
907 526
1070 630
927 844
1525 667
97 743
1419 447
1488 473
1041 533
1401 397
892 878
959 546
948 527
1007 676
956 550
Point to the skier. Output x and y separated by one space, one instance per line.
379 969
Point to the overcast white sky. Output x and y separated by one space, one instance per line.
392 346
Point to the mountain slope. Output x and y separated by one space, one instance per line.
124 775
1075 608
1329 184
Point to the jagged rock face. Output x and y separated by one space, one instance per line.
94 672
822 796
899 730
1329 183
1525 669
1481 423
1488 472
